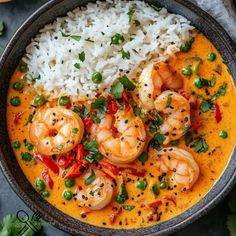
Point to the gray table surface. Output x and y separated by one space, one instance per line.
213 224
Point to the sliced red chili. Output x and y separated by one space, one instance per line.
88 122
132 171
112 107
81 153
217 113
75 171
170 199
109 167
155 204
115 213
125 96
48 162
63 162
47 178
192 100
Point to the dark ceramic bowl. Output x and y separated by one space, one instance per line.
12 170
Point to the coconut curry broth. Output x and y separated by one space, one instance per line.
211 160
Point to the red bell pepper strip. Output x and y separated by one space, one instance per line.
88 123
170 199
125 96
75 172
115 213
110 167
192 100
48 162
112 107
132 171
155 204
217 113
47 178
81 153
63 162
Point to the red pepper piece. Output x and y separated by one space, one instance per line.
112 107
217 113
192 100
75 172
125 96
88 123
63 162
81 153
155 204
109 167
48 162
170 199
132 171
17 117
47 178
115 213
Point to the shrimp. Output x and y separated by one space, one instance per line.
55 130
121 137
176 110
179 163
152 79
98 194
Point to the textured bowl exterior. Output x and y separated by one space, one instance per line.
10 167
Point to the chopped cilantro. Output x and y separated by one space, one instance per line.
117 90
127 83
130 14
200 145
77 65
125 54
82 56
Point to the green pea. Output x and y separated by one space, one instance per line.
64 101
23 67
16 145
198 83
211 56
45 194
69 183
15 101
223 134
117 39
141 184
185 47
26 156
18 86
163 184
40 185
39 100
187 71
97 77
67 195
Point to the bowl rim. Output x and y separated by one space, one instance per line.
206 204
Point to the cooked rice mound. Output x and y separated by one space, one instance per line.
149 35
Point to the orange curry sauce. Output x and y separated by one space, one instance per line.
211 163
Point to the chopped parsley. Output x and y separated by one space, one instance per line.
130 14
117 90
77 65
81 112
125 54
82 56
127 83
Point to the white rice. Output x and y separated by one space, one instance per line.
52 56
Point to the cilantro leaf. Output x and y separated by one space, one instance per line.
125 54
127 83
200 145
221 92
130 14
81 112
82 56
117 90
